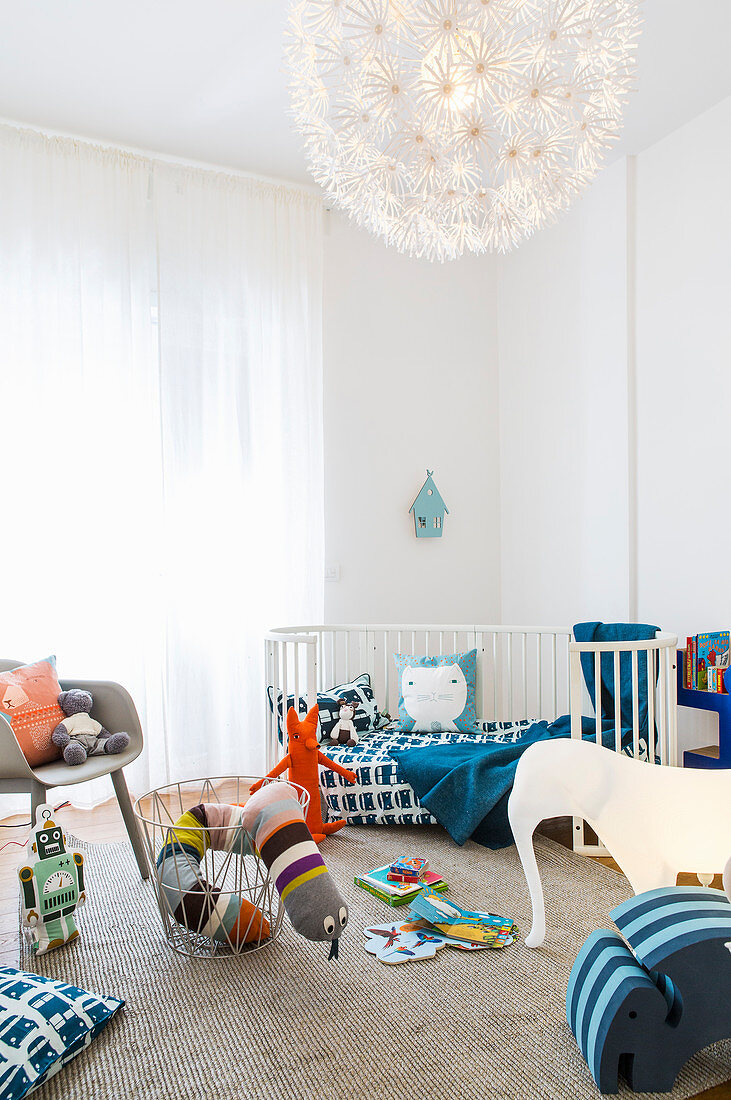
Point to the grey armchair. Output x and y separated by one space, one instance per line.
114 708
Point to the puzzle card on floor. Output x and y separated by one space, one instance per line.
410 941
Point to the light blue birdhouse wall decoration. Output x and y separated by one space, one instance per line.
429 510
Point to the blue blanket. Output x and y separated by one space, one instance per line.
466 787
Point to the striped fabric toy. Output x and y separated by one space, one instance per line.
275 821
193 902
646 1008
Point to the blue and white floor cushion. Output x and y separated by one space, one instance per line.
380 796
643 1010
43 1025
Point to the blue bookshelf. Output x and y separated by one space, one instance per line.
714 756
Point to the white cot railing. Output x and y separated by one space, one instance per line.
522 673
652 675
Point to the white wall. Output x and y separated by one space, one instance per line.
410 382
515 379
570 372
563 415
684 375
684 385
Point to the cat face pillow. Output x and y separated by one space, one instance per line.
437 693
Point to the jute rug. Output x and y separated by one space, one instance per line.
285 1022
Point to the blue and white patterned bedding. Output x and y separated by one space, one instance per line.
380 796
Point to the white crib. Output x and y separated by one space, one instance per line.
522 673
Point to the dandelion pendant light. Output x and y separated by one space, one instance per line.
452 125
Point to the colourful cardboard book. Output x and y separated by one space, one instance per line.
713 648
379 878
462 924
389 899
383 890
413 865
402 876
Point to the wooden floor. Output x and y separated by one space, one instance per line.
104 825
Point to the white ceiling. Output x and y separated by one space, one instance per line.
202 79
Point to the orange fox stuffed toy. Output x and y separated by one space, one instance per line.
302 760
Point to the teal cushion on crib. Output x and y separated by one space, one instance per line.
437 694
43 1025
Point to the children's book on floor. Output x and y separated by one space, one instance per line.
376 882
462 924
435 923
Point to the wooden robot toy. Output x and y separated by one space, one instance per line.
52 882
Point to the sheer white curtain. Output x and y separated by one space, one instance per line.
161 436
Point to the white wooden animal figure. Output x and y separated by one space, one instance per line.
655 821
344 732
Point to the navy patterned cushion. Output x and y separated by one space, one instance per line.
358 691
43 1025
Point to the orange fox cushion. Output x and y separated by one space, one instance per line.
29 700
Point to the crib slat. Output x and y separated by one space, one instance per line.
285 692
663 707
635 707
539 674
617 704
480 647
524 649
651 705
387 671
494 676
554 676
672 657
598 696
510 677
268 666
312 671
276 676
574 673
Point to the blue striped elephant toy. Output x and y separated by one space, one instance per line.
643 1005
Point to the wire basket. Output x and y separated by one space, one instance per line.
214 894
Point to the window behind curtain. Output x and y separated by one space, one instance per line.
161 434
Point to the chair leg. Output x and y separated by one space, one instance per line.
37 798
133 830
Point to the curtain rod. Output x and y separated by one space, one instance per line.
154 157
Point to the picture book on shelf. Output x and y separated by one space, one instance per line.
706 661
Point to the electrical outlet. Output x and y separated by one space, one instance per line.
332 572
